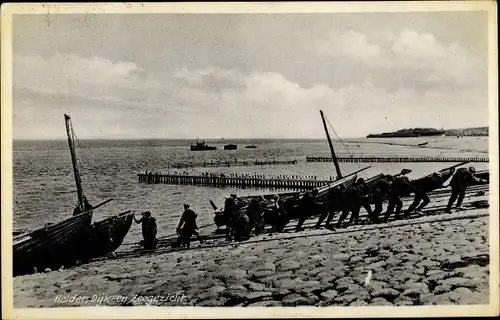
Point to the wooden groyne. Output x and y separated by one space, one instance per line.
398 159
227 163
236 180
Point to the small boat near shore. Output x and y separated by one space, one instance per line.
252 146
74 239
201 146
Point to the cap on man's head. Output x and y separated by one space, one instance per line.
186 206
146 213
233 195
361 180
389 176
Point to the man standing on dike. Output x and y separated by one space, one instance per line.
187 227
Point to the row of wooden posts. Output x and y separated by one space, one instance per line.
398 159
227 163
240 181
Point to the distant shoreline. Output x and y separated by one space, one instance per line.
432 132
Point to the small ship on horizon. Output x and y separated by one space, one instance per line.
201 146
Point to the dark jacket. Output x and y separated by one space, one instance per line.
463 178
229 207
148 227
308 202
382 187
188 218
401 186
428 183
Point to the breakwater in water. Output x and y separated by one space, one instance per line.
229 163
237 180
398 159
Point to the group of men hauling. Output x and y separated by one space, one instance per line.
244 219
278 213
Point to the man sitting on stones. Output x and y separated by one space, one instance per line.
149 230
459 182
187 227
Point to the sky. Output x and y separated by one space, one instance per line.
176 76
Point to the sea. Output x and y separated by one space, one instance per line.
44 189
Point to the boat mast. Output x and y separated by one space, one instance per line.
337 167
73 160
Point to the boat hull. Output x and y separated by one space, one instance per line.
203 148
290 199
51 247
105 236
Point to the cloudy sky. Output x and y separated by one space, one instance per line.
239 76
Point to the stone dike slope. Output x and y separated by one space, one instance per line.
436 260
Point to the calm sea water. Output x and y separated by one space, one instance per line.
44 189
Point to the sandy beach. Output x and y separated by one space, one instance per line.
446 261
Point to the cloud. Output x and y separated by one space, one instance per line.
350 44
435 64
118 99
406 59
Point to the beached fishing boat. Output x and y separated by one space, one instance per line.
50 246
73 239
105 236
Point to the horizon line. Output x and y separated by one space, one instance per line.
187 139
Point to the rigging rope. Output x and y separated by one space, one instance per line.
75 138
342 142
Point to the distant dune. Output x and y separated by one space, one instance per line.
421 132
479 131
